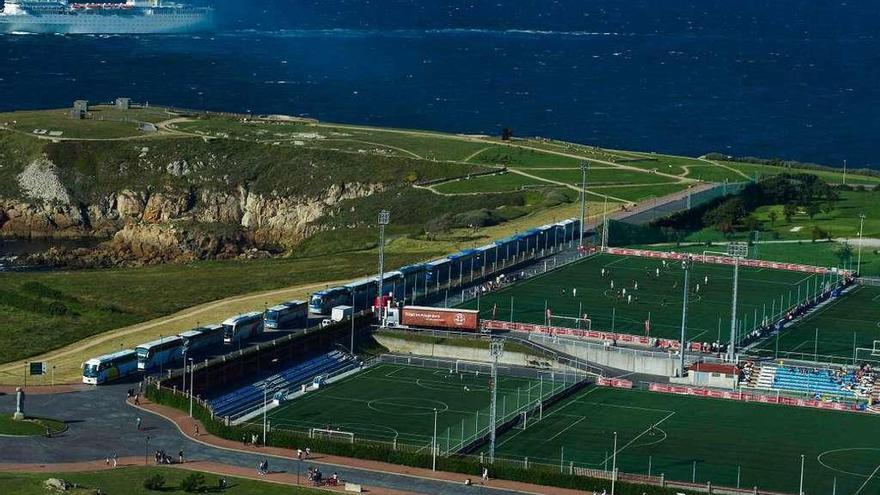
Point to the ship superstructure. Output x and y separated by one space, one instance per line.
131 17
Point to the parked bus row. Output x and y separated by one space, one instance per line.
417 281
197 341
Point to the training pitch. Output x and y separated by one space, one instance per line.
581 288
841 329
396 404
762 442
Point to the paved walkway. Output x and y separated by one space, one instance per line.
101 422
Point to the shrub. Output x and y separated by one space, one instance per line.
194 482
154 482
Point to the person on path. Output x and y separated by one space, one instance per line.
139 422
180 456
299 454
196 430
115 458
485 474
308 452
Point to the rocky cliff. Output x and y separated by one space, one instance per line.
166 224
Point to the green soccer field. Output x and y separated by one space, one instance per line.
395 404
849 322
764 442
658 298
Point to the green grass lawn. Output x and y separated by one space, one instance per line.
129 480
842 221
764 441
93 127
756 171
514 156
713 173
848 321
29 426
44 311
390 403
640 193
489 183
760 292
602 176
665 163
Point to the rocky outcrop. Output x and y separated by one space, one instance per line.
169 225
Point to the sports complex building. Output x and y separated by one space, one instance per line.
556 361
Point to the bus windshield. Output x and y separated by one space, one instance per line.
143 353
91 370
271 315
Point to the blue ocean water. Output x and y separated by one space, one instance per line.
793 79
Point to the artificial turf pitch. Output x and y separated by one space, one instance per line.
393 403
761 292
846 322
763 442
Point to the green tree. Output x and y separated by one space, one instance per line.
194 482
751 223
844 253
773 217
789 211
813 209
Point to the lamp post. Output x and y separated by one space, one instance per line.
861 224
496 348
614 464
686 265
146 450
265 396
584 167
191 375
434 444
383 220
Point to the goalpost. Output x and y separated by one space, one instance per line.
570 322
326 434
869 354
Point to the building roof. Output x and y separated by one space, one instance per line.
727 369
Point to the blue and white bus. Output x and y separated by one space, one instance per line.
110 367
242 327
201 338
159 352
323 301
289 314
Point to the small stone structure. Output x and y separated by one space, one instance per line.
123 103
81 105
19 405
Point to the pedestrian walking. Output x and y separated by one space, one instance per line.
308 452
244 440
137 399
196 430
115 458
485 474
139 423
180 456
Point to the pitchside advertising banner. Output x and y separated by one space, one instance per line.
752 397
725 260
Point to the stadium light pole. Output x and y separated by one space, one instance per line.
584 167
496 347
861 224
384 219
686 265
801 489
737 250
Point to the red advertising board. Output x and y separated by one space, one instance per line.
750 397
451 319
721 260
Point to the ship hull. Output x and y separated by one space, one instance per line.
107 24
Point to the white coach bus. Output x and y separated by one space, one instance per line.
242 327
110 367
160 352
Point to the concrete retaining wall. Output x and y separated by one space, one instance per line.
654 363
398 345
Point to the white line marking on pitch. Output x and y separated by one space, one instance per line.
870 477
566 429
640 435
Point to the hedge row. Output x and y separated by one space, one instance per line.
542 475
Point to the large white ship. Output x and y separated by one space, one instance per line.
131 17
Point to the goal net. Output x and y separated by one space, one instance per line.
475 367
326 434
570 322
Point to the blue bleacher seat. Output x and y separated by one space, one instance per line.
246 398
813 381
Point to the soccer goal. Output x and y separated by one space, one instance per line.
326 434
570 322
475 367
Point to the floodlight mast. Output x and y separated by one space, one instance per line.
737 251
584 167
384 219
686 265
496 348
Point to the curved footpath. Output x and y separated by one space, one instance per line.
102 423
